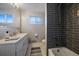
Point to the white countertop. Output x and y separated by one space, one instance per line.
19 36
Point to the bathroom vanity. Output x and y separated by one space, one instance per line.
14 46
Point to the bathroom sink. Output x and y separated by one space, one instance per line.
11 39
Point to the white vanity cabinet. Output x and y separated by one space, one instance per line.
14 48
7 50
21 47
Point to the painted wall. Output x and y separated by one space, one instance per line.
15 13
11 27
33 29
26 27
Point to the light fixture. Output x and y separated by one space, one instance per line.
15 5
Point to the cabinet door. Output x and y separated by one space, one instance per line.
7 50
25 45
22 46
19 48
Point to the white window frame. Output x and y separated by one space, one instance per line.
36 20
5 18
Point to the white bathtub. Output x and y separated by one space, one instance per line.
62 51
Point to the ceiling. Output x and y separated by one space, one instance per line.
36 7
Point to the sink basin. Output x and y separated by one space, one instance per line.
12 39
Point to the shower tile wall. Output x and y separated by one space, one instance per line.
51 26
72 27
55 28
64 29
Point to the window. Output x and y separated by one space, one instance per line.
9 19
35 20
5 18
2 18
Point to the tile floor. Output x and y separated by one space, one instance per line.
37 44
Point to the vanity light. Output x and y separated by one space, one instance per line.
17 5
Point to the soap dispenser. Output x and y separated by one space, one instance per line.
7 35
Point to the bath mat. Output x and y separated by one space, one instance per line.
36 51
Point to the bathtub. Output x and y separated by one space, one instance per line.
62 51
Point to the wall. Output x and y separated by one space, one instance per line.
72 27
63 24
51 25
33 29
25 26
15 13
56 36
11 27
